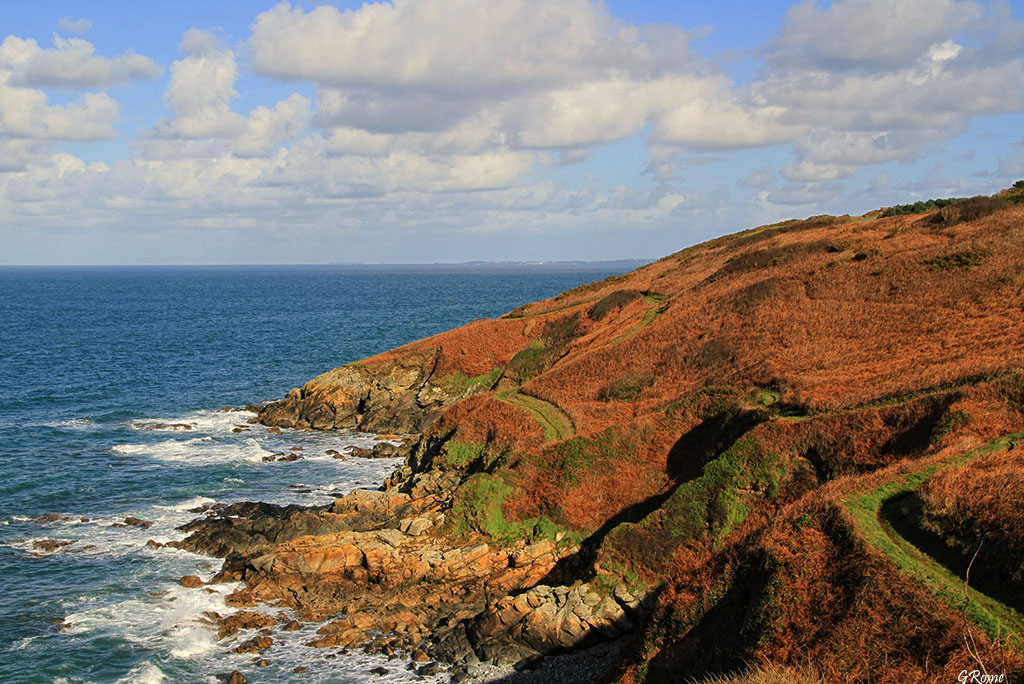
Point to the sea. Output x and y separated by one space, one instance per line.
113 385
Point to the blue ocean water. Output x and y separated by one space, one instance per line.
100 369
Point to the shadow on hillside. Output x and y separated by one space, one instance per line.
685 462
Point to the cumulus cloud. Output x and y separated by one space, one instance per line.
72 25
71 63
875 80
868 34
759 178
543 75
201 89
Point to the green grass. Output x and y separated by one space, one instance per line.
477 506
958 261
868 510
462 384
455 454
555 423
655 301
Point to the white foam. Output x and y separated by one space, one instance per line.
74 424
211 422
147 673
197 451
172 622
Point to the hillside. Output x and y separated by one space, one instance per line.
780 448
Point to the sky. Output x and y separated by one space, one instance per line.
420 131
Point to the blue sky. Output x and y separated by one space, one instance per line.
454 130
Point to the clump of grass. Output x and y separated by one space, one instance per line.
957 261
626 388
455 454
477 507
462 384
950 422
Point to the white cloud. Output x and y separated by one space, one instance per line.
869 34
759 178
200 92
458 46
71 63
72 25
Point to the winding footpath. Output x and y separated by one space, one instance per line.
871 511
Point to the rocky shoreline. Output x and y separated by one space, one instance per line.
385 574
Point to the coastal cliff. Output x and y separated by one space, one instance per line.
754 453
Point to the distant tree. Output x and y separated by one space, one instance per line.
1019 185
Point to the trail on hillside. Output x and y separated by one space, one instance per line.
557 426
873 511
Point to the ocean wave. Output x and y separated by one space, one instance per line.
213 422
197 451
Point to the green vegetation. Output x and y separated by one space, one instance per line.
555 423
919 207
528 363
626 388
477 508
653 314
461 384
576 457
950 422
957 261
970 209
706 508
455 454
870 510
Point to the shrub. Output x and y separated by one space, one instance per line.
970 209
1019 185
920 207
957 261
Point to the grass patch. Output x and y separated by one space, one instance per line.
869 511
461 384
477 507
455 455
626 388
555 423
574 458
957 261
659 306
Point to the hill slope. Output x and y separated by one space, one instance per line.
691 450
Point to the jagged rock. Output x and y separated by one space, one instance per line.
255 645
132 521
191 581
548 620
49 545
234 677
236 622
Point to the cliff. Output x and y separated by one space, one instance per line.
769 450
